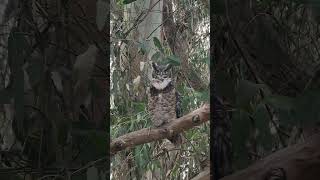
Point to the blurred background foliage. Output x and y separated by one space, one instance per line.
53 89
267 70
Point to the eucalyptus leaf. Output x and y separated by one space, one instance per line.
143 47
128 1
174 60
157 43
84 65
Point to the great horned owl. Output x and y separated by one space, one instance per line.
163 99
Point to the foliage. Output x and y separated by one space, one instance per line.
40 126
266 106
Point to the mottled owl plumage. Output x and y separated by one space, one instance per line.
163 99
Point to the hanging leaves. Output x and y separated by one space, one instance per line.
81 77
84 65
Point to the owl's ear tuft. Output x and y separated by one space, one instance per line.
155 66
167 67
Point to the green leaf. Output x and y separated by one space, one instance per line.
174 60
157 43
128 1
143 48
206 60
139 107
203 96
102 13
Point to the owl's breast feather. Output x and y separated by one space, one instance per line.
160 85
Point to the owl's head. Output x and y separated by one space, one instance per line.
161 76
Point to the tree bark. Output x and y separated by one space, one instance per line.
179 46
300 161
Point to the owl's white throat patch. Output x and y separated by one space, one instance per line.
160 85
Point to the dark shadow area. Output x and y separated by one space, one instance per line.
266 74
54 89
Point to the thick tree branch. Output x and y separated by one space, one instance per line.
146 135
301 161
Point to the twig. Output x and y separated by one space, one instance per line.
88 165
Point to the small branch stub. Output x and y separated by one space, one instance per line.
196 119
